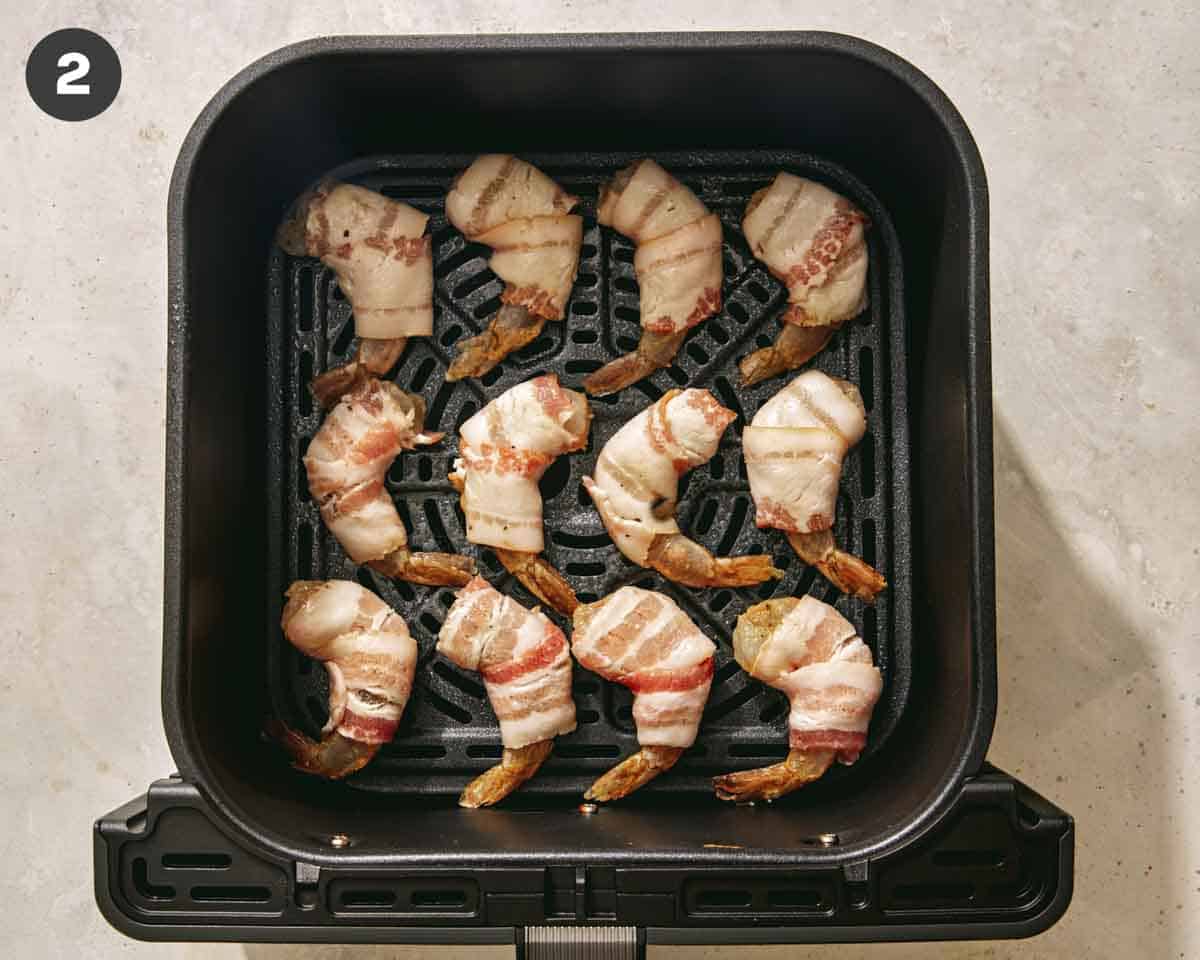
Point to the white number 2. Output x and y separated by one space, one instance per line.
68 83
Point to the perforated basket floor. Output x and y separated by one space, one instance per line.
449 733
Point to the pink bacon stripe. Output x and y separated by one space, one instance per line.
542 655
845 742
366 729
660 681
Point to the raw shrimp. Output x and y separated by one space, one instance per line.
384 265
371 658
642 640
637 485
504 450
812 240
677 262
346 464
526 668
794 449
809 651
525 218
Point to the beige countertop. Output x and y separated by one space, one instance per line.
1087 117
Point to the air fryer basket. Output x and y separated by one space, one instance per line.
919 839
449 732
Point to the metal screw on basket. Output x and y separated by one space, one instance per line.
828 839
339 840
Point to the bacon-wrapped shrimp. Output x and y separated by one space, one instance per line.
637 485
809 651
370 657
794 449
643 641
384 265
346 464
503 451
526 668
677 261
524 216
812 240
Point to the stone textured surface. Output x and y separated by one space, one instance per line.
1086 115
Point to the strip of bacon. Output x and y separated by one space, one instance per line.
634 637
809 651
813 654
813 240
794 448
522 656
526 669
524 216
677 261
384 265
370 657
383 260
346 464
636 487
504 450
365 646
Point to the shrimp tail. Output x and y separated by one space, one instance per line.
292 233
775 781
379 356
793 348
335 383
685 561
654 352
514 769
414 403
633 772
373 358
540 579
429 569
332 757
510 329
844 570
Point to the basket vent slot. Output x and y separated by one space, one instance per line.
722 899
793 898
368 898
415 751
439 898
231 894
940 892
580 750
197 861
304 283
866 377
590 569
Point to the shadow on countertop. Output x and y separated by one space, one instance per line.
1082 720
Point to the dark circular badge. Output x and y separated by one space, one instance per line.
73 74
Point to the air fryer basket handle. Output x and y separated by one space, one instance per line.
1000 864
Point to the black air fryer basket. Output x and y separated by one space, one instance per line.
919 839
